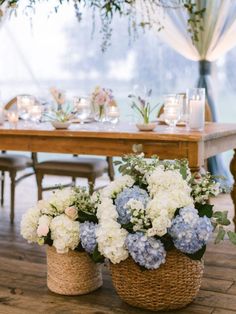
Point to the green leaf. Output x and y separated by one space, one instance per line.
197 255
220 235
85 216
232 236
96 256
128 227
204 209
222 218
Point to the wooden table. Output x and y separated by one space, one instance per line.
124 139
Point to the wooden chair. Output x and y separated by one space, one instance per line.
74 167
13 163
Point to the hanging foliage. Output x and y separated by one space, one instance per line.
140 13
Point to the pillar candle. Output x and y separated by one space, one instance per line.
197 114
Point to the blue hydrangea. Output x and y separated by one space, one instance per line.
88 236
146 251
189 231
122 199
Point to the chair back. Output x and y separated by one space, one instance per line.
11 104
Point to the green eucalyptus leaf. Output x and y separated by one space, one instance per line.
96 256
220 235
232 236
204 209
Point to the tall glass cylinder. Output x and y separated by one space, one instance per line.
196 108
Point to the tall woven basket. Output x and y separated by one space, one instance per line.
73 273
174 285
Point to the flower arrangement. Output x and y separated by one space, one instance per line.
66 221
154 207
100 98
142 106
63 115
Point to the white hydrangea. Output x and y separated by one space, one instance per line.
106 210
64 233
111 241
61 199
167 202
29 224
117 186
45 207
161 180
159 226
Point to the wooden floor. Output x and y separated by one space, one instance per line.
23 274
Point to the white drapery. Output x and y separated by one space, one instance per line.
219 23
218 37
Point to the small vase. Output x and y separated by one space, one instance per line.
100 113
72 273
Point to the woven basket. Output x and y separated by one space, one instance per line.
73 273
174 285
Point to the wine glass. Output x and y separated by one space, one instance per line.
172 111
83 109
24 105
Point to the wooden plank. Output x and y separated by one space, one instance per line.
216 299
216 284
222 311
232 289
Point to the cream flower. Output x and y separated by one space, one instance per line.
29 224
43 225
64 233
111 241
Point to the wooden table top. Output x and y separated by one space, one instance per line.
124 131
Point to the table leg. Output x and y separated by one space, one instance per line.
233 192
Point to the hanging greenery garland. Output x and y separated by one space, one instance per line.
141 13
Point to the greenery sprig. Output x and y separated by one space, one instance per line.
139 13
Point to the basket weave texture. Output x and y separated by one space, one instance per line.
73 273
174 285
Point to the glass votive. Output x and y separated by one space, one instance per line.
83 108
36 113
24 105
13 118
112 114
171 115
196 108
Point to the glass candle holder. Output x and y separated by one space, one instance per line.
196 108
83 108
13 119
35 113
112 114
24 105
172 110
